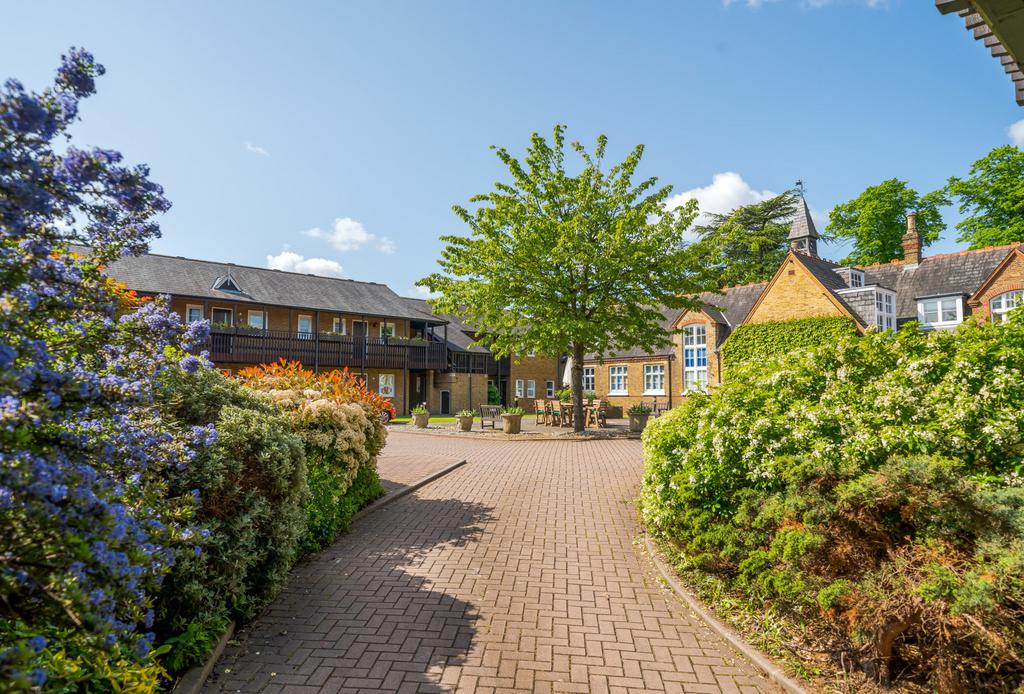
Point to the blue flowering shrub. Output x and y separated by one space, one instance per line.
870 490
89 525
251 482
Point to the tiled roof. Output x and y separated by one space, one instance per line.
460 335
162 274
802 225
825 272
733 304
668 317
947 274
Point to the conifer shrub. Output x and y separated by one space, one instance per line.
869 488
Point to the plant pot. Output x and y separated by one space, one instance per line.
420 421
465 423
511 423
637 422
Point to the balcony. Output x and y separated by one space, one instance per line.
250 346
478 363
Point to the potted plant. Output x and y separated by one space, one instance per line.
638 415
465 418
420 416
512 420
590 396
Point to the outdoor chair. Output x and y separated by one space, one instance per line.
602 413
555 413
539 407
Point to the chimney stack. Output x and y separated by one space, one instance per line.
912 241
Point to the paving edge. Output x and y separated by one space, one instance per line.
762 661
408 489
194 678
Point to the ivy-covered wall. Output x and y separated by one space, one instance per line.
766 340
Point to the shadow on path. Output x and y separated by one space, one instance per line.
354 617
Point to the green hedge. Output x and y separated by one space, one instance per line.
869 490
761 341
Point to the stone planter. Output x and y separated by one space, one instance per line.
420 421
511 423
465 423
637 422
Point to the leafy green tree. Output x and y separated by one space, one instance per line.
993 197
561 263
876 220
749 243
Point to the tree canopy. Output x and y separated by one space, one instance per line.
558 262
876 220
749 243
992 197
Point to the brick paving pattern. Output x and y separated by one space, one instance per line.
402 469
515 573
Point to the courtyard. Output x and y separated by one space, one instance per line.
518 571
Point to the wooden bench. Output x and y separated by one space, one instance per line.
490 414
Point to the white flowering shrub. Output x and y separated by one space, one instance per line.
871 486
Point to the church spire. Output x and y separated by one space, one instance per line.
803 237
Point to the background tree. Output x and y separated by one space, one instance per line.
993 197
749 243
876 220
569 263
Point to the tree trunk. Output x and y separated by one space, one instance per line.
577 387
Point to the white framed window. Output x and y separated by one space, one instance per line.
257 319
856 278
549 390
387 329
940 312
885 309
305 326
193 313
520 388
695 357
221 316
588 378
617 384
1004 303
654 379
338 326
531 389
386 385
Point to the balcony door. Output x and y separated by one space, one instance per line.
358 338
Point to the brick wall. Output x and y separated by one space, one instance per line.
468 391
1010 277
540 369
794 294
635 380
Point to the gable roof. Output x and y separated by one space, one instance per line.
152 273
948 274
668 319
460 335
730 306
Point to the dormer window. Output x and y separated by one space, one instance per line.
856 278
940 312
227 284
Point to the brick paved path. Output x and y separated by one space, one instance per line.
516 572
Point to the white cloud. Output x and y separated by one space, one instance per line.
421 292
255 149
1016 133
726 192
386 245
293 262
346 235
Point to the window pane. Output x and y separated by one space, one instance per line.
949 311
931 311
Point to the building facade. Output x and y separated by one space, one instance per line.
939 292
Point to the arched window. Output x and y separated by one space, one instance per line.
1004 303
695 357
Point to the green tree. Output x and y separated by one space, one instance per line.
560 263
993 197
749 243
876 220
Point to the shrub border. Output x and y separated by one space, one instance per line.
763 663
193 679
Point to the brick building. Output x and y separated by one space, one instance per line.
396 344
938 291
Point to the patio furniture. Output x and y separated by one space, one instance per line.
566 420
539 407
489 415
590 416
602 413
554 413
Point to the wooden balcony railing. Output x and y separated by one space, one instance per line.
250 346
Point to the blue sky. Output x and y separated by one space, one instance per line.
334 137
